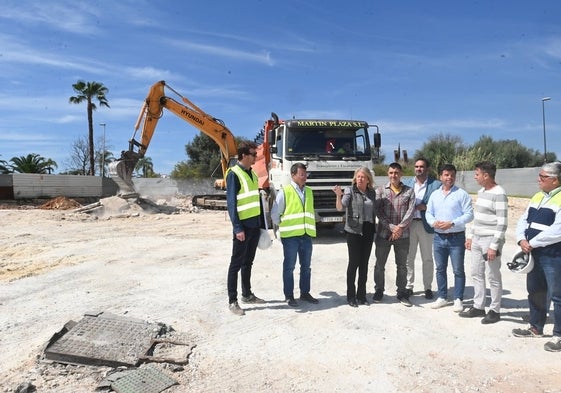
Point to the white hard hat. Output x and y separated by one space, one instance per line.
521 263
265 240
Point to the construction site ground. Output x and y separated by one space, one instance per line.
169 265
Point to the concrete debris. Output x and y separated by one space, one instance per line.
119 207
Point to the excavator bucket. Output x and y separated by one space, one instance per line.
121 172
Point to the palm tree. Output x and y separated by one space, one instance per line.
32 163
4 167
87 91
145 166
104 158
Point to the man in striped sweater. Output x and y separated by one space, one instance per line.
485 238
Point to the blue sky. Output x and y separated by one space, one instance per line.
414 68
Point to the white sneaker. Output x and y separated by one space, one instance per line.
439 303
458 305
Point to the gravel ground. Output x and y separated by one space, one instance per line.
170 267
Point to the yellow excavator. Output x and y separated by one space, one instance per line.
151 112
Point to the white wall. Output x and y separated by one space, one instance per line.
517 182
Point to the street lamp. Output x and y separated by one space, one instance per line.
544 140
103 151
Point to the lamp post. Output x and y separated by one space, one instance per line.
544 139
103 151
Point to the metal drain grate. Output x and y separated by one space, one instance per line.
104 340
143 380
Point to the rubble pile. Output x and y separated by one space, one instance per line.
60 203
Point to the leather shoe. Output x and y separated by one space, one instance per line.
308 298
291 302
352 303
491 317
429 294
472 312
363 302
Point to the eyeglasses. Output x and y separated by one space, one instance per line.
543 177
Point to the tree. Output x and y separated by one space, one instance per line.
504 153
144 167
204 159
33 163
4 167
441 149
79 157
88 91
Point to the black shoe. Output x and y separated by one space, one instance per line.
363 302
428 294
352 302
405 301
554 345
252 299
491 317
291 302
472 312
378 296
308 298
528 332
409 292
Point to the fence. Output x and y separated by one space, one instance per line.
520 182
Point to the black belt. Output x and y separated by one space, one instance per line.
417 219
451 234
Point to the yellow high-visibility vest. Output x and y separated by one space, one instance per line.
248 195
298 219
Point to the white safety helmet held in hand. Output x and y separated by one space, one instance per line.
521 263
265 240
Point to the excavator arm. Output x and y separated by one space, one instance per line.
151 112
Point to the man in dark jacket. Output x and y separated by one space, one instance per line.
539 232
420 233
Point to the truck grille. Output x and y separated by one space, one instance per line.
322 184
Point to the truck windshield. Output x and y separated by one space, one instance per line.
335 141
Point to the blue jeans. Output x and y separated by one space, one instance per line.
544 283
301 247
450 245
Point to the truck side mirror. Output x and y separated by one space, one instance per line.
377 140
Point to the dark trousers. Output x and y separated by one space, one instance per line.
359 248
544 285
400 249
243 254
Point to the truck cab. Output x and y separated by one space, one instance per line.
331 149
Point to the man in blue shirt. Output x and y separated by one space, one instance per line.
448 211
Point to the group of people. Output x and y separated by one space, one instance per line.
435 216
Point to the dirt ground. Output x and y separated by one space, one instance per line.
56 265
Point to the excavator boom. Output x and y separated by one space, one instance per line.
151 112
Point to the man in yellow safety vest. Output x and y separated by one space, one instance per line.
293 213
244 209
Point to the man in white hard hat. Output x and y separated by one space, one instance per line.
539 232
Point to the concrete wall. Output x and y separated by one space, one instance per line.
517 182
31 186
